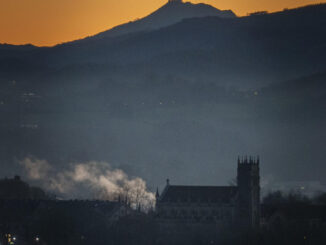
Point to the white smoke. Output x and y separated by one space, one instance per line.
95 180
36 169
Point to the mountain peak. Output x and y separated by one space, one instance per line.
172 12
175 1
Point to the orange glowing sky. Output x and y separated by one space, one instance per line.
48 22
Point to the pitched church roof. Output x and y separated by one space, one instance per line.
204 194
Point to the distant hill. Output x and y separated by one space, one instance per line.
247 52
5 46
243 52
202 89
307 86
168 14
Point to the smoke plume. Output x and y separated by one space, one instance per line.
92 180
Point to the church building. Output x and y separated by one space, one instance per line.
219 205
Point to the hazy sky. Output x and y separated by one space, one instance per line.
48 22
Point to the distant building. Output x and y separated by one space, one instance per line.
217 205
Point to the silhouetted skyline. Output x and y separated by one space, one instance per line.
45 23
180 101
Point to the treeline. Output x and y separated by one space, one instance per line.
296 224
286 218
15 189
293 198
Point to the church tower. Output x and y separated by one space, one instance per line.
249 192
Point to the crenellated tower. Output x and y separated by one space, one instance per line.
248 180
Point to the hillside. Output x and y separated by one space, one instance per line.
244 52
168 14
200 91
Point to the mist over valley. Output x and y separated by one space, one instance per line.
179 99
